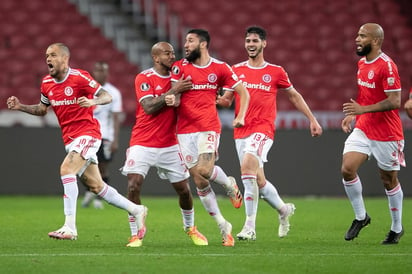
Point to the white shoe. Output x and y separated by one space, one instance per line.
247 234
64 233
88 198
284 220
98 204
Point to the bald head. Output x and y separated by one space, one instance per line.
62 48
163 56
161 47
375 30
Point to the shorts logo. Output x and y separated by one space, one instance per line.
189 158
130 163
144 86
371 74
68 91
266 78
212 78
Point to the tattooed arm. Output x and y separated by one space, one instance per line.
13 103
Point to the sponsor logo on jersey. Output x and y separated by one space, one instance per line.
204 86
366 84
371 74
256 86
391 81
64 102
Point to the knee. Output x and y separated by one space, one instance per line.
348 173
204 172
134 183
389 181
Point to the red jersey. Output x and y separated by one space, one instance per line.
262 84
74 120
375 78
197 111
157 129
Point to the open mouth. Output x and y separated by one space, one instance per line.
251 50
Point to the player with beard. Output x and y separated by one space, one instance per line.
153 141
199 127
377 131
73 93
254 140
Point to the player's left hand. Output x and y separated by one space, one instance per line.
352 108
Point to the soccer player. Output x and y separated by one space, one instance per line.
72 93
109 117
199 127
377 131
254 140
153 141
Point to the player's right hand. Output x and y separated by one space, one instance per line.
13 102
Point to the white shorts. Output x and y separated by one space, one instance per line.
257 144
87 146
168 161
194 144
389 155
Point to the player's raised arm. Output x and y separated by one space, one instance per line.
13 103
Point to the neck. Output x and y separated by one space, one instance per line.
203 60
372 55
259 61
62 75
161 70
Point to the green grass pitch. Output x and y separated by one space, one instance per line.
315 242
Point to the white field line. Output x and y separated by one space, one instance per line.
147 254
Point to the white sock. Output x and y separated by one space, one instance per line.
208 198
395 198
133 225
110 195
219 176
71 192
354 192
270 194
251 199
188 217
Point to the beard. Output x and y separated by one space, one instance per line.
365 50
256 53
195 54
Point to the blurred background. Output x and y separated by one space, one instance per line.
314 40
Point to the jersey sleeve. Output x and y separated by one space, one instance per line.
88 85
143 87
283 79
229 79
177 71
390 77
